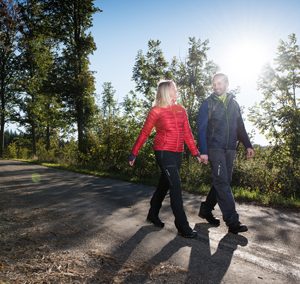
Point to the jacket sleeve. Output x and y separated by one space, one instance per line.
241 131
188 136
145 132
202 123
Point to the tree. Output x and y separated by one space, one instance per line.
193 77
108 110
278 114
36 60
56 122
148 70
9 27
71 20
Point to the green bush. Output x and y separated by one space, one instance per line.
12 151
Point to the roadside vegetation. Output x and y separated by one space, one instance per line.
48 92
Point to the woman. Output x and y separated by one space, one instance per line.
172 131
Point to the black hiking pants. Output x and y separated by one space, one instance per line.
169 164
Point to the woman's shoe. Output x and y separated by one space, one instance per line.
190 235
155 221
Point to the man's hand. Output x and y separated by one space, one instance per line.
204 159
250 153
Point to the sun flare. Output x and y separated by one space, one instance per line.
244 61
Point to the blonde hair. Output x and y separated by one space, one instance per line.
163 98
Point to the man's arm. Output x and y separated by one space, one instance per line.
242 136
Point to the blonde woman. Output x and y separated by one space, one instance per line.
172 131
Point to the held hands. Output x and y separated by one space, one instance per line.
204 159
250 153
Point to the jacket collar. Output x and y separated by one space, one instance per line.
229 97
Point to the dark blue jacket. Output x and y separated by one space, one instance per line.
220 125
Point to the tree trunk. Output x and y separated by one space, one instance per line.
48 137
80 126
2 123
33 139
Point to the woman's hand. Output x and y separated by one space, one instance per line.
131 159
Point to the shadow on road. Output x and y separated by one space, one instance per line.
60 209
203 267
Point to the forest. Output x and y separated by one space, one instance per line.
48 90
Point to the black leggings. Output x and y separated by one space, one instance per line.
169 163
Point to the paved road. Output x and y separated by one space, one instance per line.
98 220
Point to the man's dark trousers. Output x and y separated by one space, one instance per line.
221 162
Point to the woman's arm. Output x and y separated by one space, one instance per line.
146 131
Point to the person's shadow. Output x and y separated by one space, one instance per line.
111 265
203 267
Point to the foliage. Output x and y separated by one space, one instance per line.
70 21
55 96
148 70
278 116
193 76
10 25
36 60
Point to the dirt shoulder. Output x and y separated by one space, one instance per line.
62 227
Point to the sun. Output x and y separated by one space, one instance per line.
244 61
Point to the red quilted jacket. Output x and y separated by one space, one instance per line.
172 130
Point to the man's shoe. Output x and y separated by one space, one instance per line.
155 221
238 228
208 216
191 235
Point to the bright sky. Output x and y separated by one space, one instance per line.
243 35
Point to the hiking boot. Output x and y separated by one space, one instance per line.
208 216
237 228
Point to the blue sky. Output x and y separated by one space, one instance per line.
242 34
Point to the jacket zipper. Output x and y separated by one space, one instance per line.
174 113
227 120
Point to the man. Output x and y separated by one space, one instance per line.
220 126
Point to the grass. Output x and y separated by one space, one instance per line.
103 174
267 199
240 194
